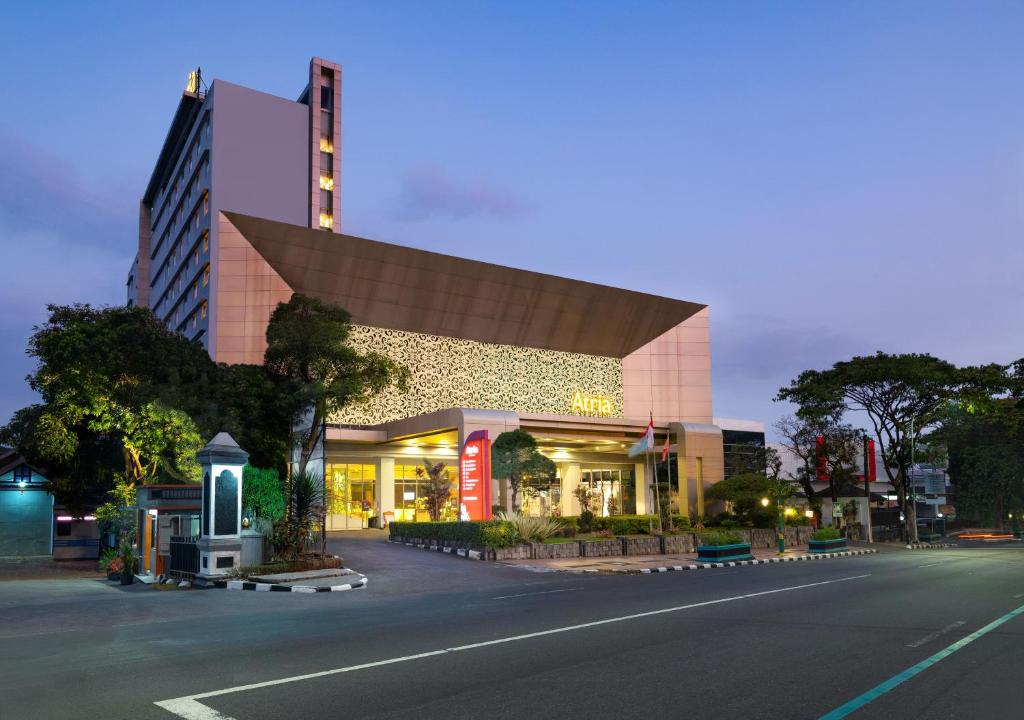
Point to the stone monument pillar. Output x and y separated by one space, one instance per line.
220 542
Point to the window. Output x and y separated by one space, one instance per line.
206 276
326 146
206 203
23 474
326 220
202 308
195 289
326 181
410 494
325 97
63 528
351 495
206 241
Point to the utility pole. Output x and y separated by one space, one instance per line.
869 535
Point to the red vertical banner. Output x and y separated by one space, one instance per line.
475 477
872 471
822 456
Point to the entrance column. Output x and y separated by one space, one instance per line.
643 490
570 474
384 488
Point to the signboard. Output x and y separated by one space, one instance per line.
475 477
934 484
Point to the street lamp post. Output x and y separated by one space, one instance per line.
780 522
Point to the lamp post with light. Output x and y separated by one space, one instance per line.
780 521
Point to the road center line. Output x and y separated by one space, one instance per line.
936 634
539 592
189 708
900 678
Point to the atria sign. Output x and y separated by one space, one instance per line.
475 477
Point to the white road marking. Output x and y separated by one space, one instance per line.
539 592
930 565
936 634
189 708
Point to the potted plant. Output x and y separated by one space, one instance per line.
722 546
129 563
826 540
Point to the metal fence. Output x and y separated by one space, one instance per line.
184 556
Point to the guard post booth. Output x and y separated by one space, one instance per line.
220 539
164 511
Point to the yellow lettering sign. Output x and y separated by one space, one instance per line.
585 404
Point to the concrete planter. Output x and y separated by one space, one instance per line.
724 553
650 545
553 551
827 546
516 552
678 544
601 548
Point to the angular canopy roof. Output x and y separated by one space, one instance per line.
402 288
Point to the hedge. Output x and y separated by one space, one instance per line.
490 533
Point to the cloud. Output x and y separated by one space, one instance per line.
41 193
429 192
61 241
761 348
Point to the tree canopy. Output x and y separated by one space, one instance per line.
902 395
307 343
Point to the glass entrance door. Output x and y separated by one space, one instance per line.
351 495
611 489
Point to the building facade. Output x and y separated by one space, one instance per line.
583 367
230 147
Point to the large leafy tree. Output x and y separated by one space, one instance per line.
117 377
903 396
307 344
515 458
985 449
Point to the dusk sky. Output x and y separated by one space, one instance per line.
832 178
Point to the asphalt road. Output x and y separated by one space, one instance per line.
437 636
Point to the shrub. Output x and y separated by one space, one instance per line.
530 528
107 558
586 521
630 524
500 534
681 522
826 533
720 537
262 493
570 527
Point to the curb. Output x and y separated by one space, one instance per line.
930 546
271 587
461 552
694 566
735 563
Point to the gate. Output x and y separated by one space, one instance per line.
184 556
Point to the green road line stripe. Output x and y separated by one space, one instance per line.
881 689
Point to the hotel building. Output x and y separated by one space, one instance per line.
243 210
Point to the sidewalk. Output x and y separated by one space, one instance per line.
45 567
643 564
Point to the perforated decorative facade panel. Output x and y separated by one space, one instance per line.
449 372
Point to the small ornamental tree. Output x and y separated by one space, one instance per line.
514 457
438 489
